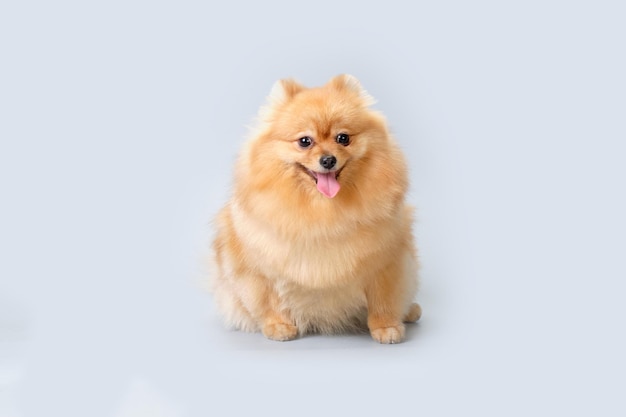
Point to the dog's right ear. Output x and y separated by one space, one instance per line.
283 91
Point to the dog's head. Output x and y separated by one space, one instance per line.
320 135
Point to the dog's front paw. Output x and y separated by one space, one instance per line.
280 331
392 334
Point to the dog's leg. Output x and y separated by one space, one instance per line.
414 313
276 325
260 298
385 305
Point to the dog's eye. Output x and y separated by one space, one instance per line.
305 142
343 139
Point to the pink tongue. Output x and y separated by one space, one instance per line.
327 184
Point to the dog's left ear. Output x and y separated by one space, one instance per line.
350 83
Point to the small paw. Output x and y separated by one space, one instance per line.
280 331
414 313
388 335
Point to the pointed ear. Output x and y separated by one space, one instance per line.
284 90
347 82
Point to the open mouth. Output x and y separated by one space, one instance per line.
326 182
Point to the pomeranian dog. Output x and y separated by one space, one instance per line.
316 236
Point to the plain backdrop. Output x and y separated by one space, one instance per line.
119 125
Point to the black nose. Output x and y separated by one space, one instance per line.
328 161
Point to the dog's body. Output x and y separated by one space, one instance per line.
317 237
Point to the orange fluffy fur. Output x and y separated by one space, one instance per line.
291 260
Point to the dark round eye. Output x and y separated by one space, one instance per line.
343 139
305 142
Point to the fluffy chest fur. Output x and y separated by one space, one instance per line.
336 258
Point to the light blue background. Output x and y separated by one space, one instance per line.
119 123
